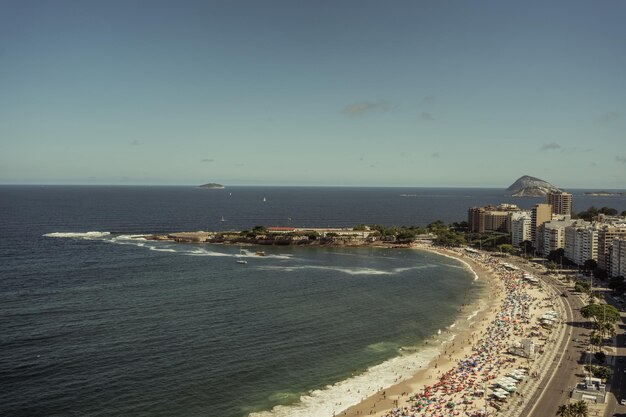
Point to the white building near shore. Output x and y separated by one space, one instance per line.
618 258
553 234
581 242
520 227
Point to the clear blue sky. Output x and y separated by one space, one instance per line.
402 93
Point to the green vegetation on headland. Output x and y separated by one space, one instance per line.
593 212
361 235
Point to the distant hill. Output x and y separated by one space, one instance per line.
527 186
212 186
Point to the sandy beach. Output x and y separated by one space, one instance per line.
461 380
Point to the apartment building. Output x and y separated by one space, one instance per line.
539 214
581 242
520 227
607 233
561 203
617 258
552 235
491 218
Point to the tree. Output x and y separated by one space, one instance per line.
600 357
460 226
527 247
604 318
563 411
406 235
506 248
259 230
556 255
608 211
579 409
588 214
437 226
617 284
599 273
449 238
582 286
590 265
600 313
602 372
551 266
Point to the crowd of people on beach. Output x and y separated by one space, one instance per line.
466 390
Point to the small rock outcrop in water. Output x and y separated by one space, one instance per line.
212 185
527 186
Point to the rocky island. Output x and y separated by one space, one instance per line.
605 193
527 186
212 186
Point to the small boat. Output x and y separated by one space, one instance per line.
222 219
240 255
264 200
260 253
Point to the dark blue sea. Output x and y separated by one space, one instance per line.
95 321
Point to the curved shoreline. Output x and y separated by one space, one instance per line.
465 327
395 372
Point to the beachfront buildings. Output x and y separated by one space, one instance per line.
598 240
491 218
520 227
561 203
539 214
617 257
607 233
550 235
581 242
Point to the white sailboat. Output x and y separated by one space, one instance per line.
264 200
222 219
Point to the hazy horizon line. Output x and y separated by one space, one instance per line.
288 186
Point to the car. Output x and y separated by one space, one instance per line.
623 401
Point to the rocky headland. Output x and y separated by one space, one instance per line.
527 186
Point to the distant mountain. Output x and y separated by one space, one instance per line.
212 186
527 186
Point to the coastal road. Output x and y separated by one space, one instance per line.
555 387
618 382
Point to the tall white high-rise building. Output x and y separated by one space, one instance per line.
520 227
552 235
617 257
581 242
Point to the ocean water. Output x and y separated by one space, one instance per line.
98 322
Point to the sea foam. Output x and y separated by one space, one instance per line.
78 235
344 394
349 271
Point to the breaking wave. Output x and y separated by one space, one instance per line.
342 395
78 235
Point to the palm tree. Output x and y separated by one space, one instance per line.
563 411
579 409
